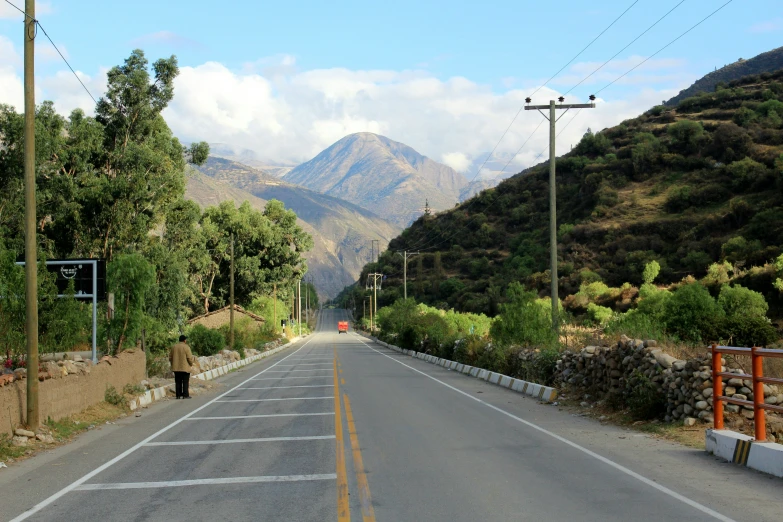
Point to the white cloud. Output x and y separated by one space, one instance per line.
290 116
457 161
768 26
8 12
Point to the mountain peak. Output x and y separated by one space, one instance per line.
381 175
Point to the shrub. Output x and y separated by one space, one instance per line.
745 173
692 314
739 249
686 135
522 320
600 315
206 341
636 324
112 396
651 271
738 300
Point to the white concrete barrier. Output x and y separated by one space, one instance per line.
741 449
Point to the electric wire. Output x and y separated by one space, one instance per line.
38 24
429 244
624 48
514 119
662 48
505 132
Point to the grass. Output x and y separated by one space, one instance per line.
63 430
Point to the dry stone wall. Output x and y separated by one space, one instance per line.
612 373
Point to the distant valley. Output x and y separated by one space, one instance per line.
341 231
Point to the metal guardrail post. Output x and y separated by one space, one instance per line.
717 388
757 367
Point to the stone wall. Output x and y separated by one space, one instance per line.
608 373
68 387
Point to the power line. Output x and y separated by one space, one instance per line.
544 85
662 48
624 48
583 50
603 88
38 24
418 245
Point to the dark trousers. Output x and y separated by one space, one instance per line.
181 380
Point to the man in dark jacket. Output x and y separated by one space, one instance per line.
181 360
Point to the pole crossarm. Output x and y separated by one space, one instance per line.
561 106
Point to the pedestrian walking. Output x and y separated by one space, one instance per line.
181 360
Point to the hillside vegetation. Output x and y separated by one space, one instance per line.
695 188
341 231
765 62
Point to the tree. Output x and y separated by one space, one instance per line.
268 250
130 277
686 135
651 271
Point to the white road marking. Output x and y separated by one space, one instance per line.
313 370
38 507
206 482
304 364
237 441
619 467
286 387
293 377
283 399
229 417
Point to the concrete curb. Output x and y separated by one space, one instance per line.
537 391
157 394
740 449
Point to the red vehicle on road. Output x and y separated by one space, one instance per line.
342 326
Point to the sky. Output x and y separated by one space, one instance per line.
287 79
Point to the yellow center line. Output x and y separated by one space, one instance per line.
343 506
368 513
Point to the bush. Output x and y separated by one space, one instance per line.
692 314
206 341
637 325
746 322
112 396
651 271
523 321
686 135
599 315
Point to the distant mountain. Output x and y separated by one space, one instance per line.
474 187
764 63
381 175
250 158
341 231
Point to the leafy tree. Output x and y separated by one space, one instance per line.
686 135
692 314
651 271
130 277
522 320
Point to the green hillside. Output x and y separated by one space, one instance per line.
763 63
686 186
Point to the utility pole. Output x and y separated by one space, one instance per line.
274 307
231 298
553 188
405 255
299 287
30 242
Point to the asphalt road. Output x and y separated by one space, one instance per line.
338 428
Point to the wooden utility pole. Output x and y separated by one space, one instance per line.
274 308
30 220
231 297
299 286
553 189
405 255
